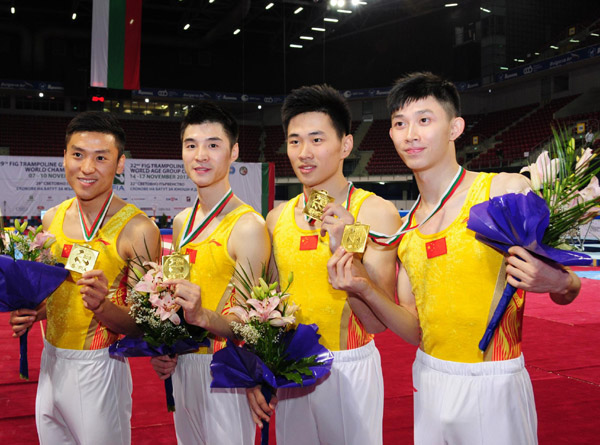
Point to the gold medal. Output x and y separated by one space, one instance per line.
81 259
317 201
355 237
176 266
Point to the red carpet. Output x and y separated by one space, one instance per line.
560 344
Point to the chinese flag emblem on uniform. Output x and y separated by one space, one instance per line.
309 242
436 248
66 250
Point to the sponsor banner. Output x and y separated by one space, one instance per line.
554 62
207 95
32 185
31 85
464 86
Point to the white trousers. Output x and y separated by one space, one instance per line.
344 408
205 416
489 403
83 397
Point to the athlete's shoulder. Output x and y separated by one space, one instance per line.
380 214
273 215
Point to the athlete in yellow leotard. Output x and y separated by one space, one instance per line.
449 283
347 406
234 235
84 396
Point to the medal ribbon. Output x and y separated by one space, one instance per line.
312 221
191 230
387 240
89 234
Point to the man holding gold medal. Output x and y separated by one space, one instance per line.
84 395
449 282
347 406
211 239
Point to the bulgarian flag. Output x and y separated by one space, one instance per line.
116 37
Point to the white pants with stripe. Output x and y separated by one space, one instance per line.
83 397
205 416
489 403
344 408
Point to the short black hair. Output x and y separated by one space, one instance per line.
420 85
100 122
319 98
209 112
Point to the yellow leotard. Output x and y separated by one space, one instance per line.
212 268
70 324
456 292
319 302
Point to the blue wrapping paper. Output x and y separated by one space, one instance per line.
24 285
519 220
516 220
238 367
137 347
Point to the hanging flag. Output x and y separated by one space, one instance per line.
116 37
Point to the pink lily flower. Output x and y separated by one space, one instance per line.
42 240
241 313
263 309
543 171
584 159
592 191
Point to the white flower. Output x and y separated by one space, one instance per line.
543 171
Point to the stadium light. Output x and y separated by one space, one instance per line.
293 45
74 16
306 38
12 10
186 27
485 10
329 19
319 29
299 10
270 5
236 32
450 5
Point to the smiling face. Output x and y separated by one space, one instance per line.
91 161
315 150
423 133
207 153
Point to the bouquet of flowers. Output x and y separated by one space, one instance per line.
154 311
275 352
565 195
27 274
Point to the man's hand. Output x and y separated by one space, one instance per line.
531 274
346 273
260 409
189 296
94 289
164 366
21 320
335 218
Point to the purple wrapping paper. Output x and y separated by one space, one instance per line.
519 220
25 284
516 220
137 347
237 367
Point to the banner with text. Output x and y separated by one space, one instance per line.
31 185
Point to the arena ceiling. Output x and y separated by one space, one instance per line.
369 46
